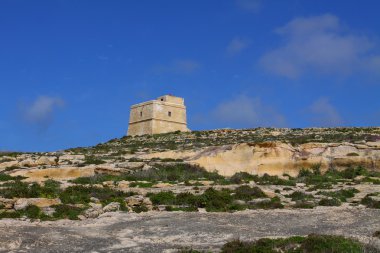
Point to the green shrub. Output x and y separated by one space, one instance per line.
66 212
242 177
342 195
20 189
297 195
370 202
330 243
304 204
274 180
10 214
6 177
33 212
246 192
140 208
274 203
296 244
329 202
92 160
162 198
81 195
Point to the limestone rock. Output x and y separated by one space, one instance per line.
46 160
62 173
94 211
22 203
258 201
131 165
7 203
49 211
162 185
123 184
239 202
8 164
135 200
112 207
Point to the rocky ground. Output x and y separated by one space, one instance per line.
171 231
130 194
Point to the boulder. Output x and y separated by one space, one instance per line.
131 165
112 207
238 202
46 160
123 184
7 203
94 200
94 211
134 200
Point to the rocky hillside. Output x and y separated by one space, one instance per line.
256 151
213 171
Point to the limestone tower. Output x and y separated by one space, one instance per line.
163 115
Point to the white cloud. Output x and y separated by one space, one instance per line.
236 46
247 112
184 66
249 5
41 111
321 44
324 114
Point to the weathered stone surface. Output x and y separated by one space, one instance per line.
8 164
162 185
94 211
7 203
134 200
46 160
112 207
62 173
171 231
276 158
258 201
23 203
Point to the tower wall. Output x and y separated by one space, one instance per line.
166 114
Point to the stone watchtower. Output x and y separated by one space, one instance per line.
163 115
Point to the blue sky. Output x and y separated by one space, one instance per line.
70 70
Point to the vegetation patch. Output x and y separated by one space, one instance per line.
371 202
296 244
341 195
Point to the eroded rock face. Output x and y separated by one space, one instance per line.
276 158
63 173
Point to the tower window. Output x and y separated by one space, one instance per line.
169 114
140 114
162 99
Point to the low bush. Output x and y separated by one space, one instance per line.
67 212
310 244
247 193
342 195
274 180
242 177
370 202
298 195
274 203
329 202
81 195
304 204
